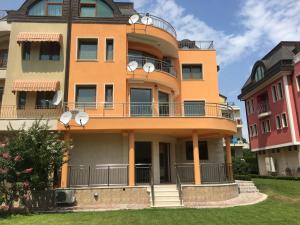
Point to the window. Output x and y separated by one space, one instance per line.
253 131
284 120
194 108
50 51
109 95
298 82
109 49
274 93
44 99
192 72
280 91
3 58
141 102
46 8
250 106
95 8
87 49
259 73
26 48
86 96
21 99
278 122
266 127
203 150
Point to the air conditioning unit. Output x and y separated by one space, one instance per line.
65 196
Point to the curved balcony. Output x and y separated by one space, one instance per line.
208 118
160 65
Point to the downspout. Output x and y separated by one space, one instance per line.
68 52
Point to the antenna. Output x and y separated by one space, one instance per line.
149 67
132 66
66 118
82 118
57 98
134 19
147 20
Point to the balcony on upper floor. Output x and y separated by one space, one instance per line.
263 109
195 45
159 34
164 116
3 67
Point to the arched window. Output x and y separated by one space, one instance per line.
259 73
46 8
95 8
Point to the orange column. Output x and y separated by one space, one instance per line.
65 166
228 158
197 172
131 160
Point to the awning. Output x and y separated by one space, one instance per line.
27 85
38 37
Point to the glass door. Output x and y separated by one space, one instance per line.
141 102
164 162
143 160
164 104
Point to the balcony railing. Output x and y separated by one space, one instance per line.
107 175
211 173
13 112
163 110
196 45
3 63
159 64
160 23
3 14
263 107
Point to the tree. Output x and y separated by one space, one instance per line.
41 149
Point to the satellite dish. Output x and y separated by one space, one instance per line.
57 98
134 19
66 118
149 67
82 118
132 66
147 20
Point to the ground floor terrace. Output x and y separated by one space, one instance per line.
131 168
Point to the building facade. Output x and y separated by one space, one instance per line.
151 101
271 99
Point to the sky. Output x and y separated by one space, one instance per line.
243 31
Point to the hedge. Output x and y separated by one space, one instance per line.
251 176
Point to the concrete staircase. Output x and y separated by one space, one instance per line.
165 196
246 186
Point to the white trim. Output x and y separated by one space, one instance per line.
297 82
289 108
278 91
287 124
275 146
274 93
280 121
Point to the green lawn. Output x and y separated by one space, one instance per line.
282 207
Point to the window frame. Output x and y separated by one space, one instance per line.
109 105
92 106
280 91
286 124
26 45
194 101
78 49
87 4
191 78
23 106
274 93
278 121
253 130
113 49
51 51
46 6
298 82
264 127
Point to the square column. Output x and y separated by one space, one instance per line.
65 166
131 159
228 158
197 172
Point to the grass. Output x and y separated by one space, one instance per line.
282 207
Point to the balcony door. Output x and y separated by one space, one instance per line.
164 104
140 102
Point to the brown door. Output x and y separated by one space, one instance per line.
164 162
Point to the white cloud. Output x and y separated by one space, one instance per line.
265 23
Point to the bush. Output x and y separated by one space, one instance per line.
243 177
275 177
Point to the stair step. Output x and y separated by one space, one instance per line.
166 194
166 199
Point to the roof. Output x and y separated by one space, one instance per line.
278 59
35 85
38 37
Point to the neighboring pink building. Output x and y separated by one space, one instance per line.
272 99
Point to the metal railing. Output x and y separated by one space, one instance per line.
263 107
211 173
178 184
159 64
160 23
98 175
100 109
196 45
3 14
143 173
3 63
15 112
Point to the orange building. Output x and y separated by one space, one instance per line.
152 102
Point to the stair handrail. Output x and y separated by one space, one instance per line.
152 184
178 184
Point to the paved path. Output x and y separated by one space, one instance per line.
241 200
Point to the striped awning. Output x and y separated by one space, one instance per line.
29 85
38 37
